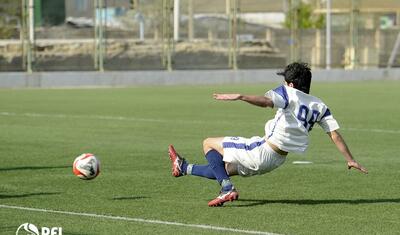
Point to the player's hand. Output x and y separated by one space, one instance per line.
227 96
354 164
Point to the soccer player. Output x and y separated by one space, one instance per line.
297 112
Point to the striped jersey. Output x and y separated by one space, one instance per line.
296 115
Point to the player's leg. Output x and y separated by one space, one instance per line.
200 170
216 144
231 168
228 191
181 167
216 168
213 143
206 172
214 151
203 170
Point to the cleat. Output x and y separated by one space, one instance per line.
176 161
224 197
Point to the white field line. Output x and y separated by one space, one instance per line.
373 130
98 117
133 119
139 220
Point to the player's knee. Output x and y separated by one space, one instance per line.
207 145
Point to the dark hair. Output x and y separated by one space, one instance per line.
299 74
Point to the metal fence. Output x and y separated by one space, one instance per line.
65 35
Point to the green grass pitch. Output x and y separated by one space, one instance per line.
129 129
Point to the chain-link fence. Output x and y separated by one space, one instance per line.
63 35
11 46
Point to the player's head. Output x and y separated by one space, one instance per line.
299 74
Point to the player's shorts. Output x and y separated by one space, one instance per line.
252 156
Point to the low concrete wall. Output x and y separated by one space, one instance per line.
180 77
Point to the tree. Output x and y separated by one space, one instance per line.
10 15
305 17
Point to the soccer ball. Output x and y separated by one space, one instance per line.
86 166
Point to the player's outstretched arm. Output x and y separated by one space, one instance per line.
260 101
342 146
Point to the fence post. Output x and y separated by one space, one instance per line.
23 34
28 36
316 50
190 21
176 19
167 40
233 11
99 35
354 35
328 56
96 52
294 29
394 52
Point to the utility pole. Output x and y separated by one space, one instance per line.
167 37
354 34
293 8
29 20
394 52
23 34
328 34
233 5
99 35
190 21
176 20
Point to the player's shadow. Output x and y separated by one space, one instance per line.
129 198
21 168
259 202
6 196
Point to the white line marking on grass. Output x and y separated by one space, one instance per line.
373 130
139 220
121 118
98 117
